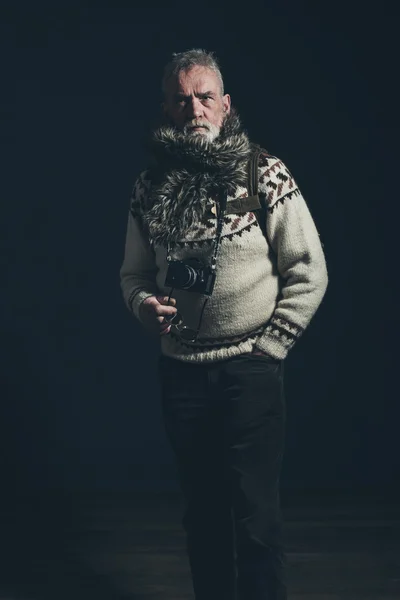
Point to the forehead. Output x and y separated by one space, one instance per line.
196 79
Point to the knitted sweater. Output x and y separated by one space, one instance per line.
266 290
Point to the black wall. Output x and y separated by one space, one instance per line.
315 85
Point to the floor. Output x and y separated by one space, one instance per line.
131 546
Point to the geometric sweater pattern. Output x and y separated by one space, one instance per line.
267 288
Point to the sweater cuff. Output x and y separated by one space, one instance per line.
278 338
136 300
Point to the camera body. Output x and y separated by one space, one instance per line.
190 275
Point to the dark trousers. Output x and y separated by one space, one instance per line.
225 422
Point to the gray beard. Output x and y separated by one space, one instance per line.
210 133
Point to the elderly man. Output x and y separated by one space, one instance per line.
223 261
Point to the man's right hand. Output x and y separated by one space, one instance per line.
152 312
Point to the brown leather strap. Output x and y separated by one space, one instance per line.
254 171
261 214
253 202
243 205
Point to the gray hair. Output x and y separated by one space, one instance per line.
183 61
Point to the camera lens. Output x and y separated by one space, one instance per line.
183 276
191 277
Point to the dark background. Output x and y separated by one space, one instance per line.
313 83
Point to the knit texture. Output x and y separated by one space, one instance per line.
266 290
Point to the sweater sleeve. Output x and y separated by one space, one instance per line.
138 271
294 238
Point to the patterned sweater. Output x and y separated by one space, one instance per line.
266 289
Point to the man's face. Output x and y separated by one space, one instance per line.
194 103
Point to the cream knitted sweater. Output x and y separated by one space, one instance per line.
266 290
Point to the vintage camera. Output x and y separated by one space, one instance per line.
190 275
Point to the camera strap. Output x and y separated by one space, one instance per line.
221 213
262 210
217 240
220 223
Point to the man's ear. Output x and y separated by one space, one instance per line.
226 101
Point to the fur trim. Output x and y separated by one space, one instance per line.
188 172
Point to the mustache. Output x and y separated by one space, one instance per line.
197 123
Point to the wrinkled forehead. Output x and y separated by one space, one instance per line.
195 80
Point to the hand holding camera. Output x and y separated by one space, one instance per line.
153 312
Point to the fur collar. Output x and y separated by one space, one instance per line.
188 172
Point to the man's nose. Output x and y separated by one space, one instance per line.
195 108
